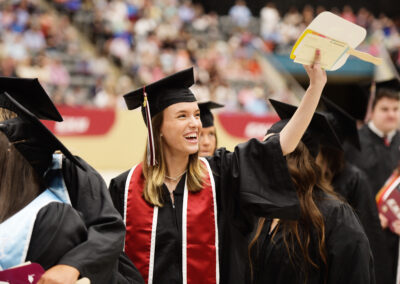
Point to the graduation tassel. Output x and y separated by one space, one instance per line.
151 159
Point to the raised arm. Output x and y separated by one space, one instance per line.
295 128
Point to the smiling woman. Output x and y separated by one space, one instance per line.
187 218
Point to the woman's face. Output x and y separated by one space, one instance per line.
207 142
180 128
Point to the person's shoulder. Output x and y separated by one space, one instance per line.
51 213
332 207
365 131
328 204
339 215
120 180
69 164
353 171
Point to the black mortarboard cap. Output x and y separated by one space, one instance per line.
318 132
344 124
156 97
163 93
392 84
32 139
206 117
351 97
30 94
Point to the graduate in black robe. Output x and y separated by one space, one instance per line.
26 200
254 178
242 180
87 190
350 182
378 158
208 141
324 246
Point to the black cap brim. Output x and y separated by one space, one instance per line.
207 118
319 125
43 137
346 124
392 84
30 94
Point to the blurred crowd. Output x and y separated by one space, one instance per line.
35 42
149 39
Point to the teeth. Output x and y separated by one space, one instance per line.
191 136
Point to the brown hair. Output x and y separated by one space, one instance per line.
19 184
308 180
385 93
6 114
155 175
331 161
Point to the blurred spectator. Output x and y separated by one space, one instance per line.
348 14
240 14
269 17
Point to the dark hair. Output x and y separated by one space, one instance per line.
19 184
385 93
308 181
331 161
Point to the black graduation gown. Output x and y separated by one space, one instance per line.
352 184
348 254
58 229
375 158
96 257
253 178
378 161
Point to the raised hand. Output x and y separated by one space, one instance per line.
316 74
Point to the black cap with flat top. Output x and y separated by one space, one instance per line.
31 138
318 132
344 124
163 93
392 84
206 117
30 94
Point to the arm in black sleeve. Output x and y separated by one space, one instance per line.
256 173
98 255
58 229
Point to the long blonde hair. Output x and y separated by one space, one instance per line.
155 175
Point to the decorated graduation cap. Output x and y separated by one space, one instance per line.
335 37
206 117
318 132
30 94
156 97
31 138
344 124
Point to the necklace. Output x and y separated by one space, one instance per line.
175 178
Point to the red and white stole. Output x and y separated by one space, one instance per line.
200 263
